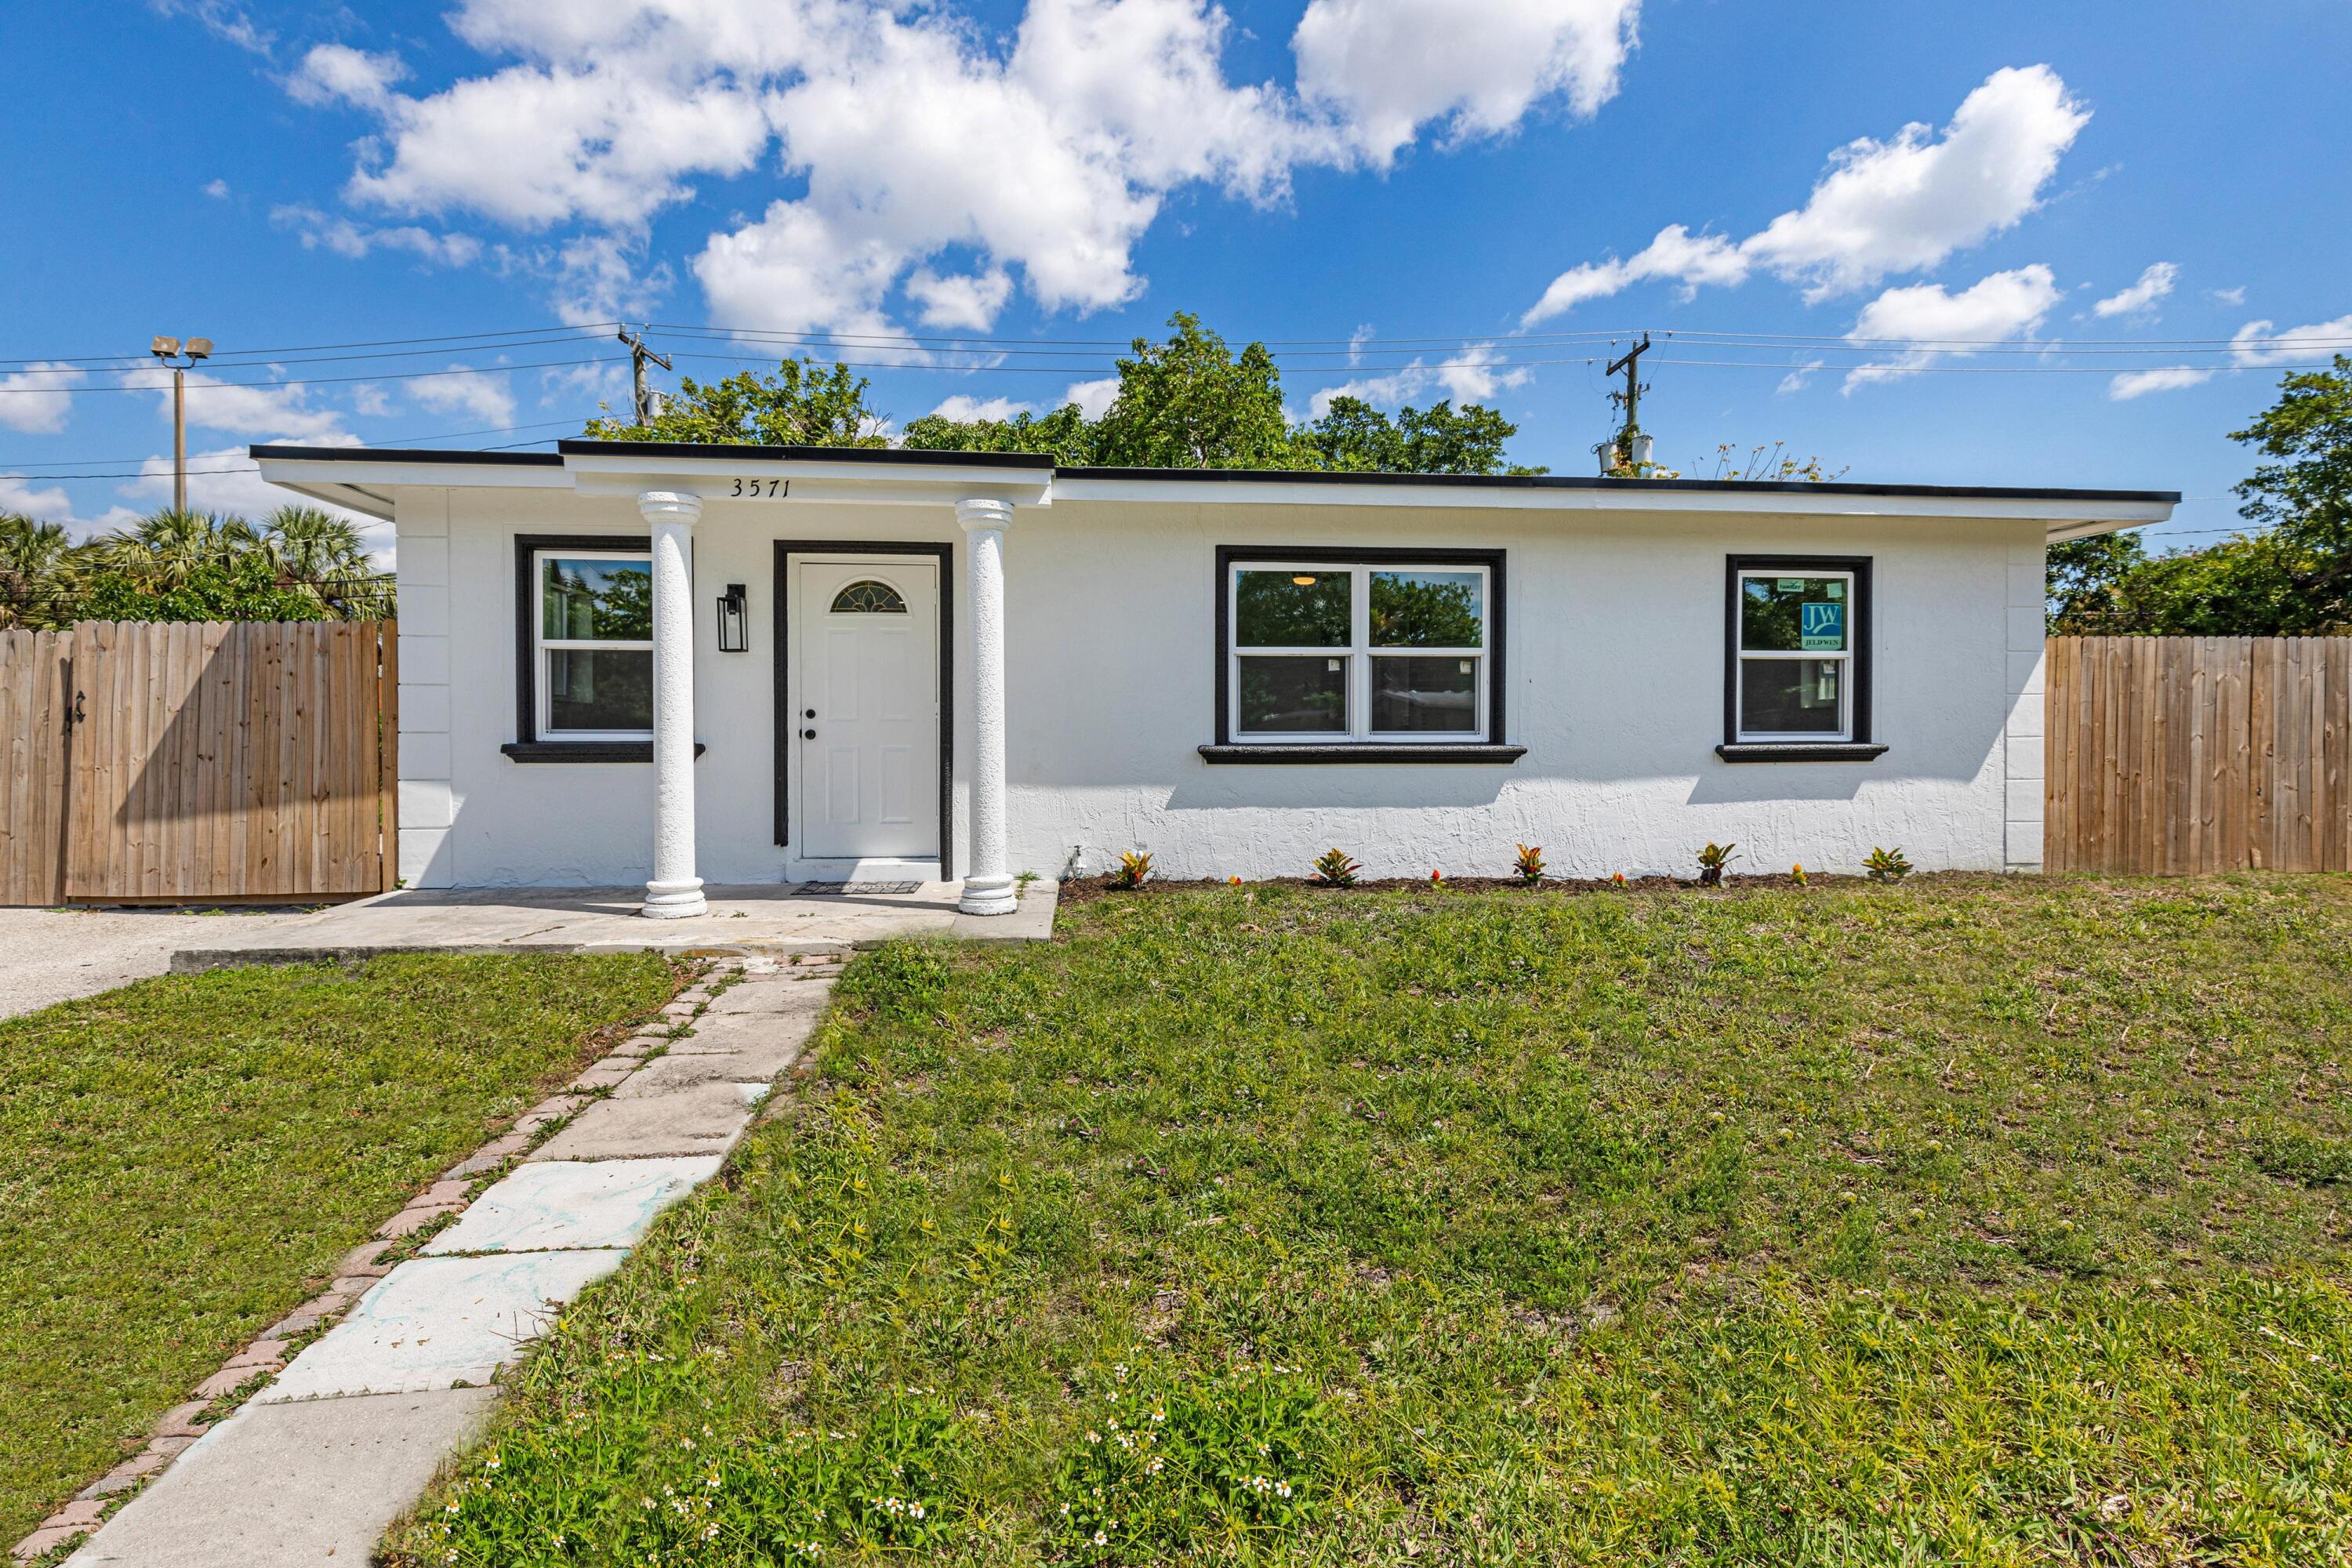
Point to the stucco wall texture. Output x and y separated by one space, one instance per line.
1615 670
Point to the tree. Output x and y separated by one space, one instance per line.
33 556
244 588
1354 437
2292 579
799 405
1065 435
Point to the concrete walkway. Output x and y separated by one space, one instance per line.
310 1471
56 955
762 921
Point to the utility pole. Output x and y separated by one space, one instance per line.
1633 446
168 349
648 400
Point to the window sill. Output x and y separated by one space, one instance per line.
1799 751
584 750
1432 752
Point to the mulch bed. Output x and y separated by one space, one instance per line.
1086 890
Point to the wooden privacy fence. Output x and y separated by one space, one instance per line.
175 760
2174 756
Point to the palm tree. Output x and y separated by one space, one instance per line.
33 559
322 552
164 547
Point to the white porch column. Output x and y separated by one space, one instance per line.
675 892
987 886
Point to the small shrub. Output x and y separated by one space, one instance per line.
1617 877
1528 865
1134 865
1886 866
1436 877
1798 871
1333 869
1712 861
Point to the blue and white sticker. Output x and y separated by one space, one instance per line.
1822 627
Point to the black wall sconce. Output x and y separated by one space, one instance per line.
734 622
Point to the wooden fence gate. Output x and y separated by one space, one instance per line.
2176 755
169 762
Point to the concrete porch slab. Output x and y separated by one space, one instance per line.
436 1322
753 921
276 1486
572 1204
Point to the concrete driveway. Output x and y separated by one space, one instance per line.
55 955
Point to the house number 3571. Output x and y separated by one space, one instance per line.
760 488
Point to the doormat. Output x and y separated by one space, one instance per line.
837 890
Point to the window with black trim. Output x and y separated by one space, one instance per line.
1382 648
1797 670
593 644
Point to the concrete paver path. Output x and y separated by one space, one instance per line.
314 1467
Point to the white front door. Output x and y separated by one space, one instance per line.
866 707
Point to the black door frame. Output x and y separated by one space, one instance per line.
788 722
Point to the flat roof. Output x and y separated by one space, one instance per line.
1037 462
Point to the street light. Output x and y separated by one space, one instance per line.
168 349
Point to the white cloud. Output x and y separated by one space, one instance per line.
228 481
223 21
961 301
2165 378
217 190
1676 253
1093 398
1799 378
1388 66
336 73
2229 296
272 413
1474 376
1904 205
478 394
370 401
965 409
344 237
2257 345
49 503
903 134
2153 284
37 399
1925 322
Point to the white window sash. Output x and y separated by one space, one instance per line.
1845 727
544 696
1360 651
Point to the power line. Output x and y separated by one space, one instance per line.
387 441
103 360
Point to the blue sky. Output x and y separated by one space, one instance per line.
1475 195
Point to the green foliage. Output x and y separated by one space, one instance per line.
1134 867
1414 611
1712 859
2298 1154
1887 865
246 589
1333 869
2295 579
1190 401
300 564
899 980
1167 1459
799 405
1354 437
186 1158
1858 1226
1528 865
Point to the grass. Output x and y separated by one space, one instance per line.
1969 1220
184 1160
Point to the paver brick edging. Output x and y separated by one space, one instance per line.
218 1396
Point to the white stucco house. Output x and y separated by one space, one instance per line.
625 662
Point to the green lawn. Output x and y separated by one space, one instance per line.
184 1160
1969 1220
